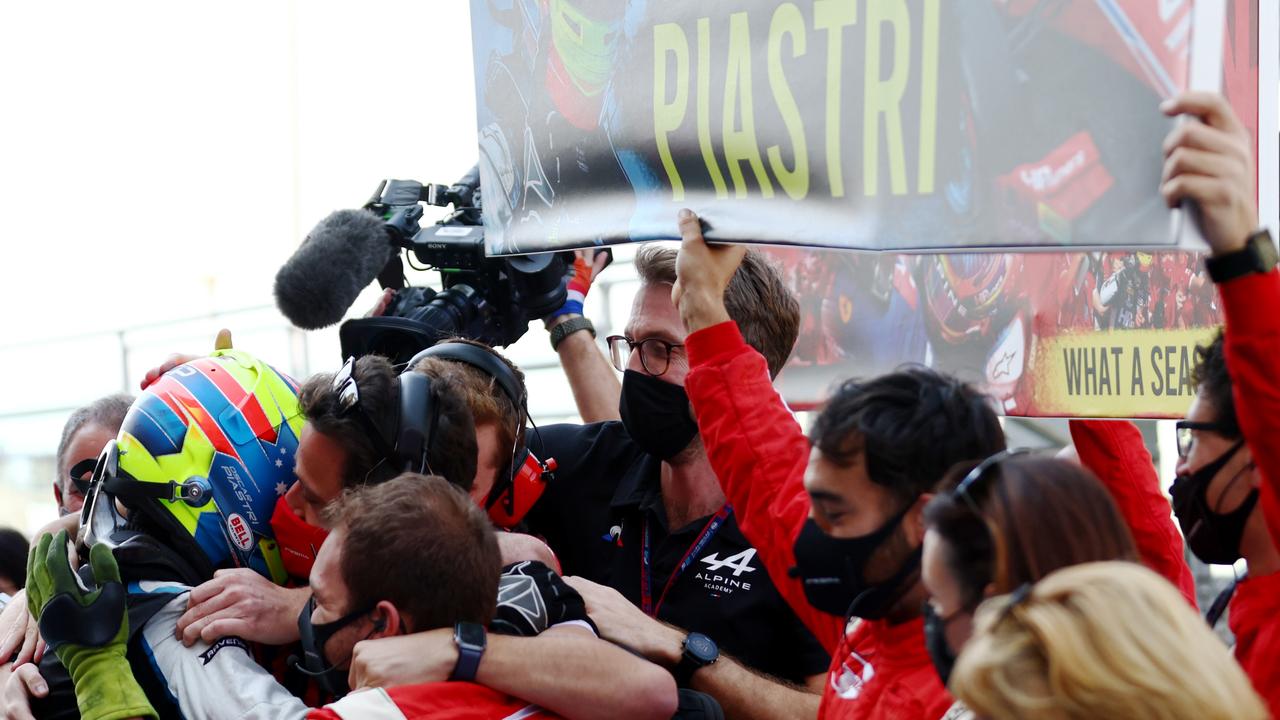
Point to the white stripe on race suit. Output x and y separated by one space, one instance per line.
527 711
372 704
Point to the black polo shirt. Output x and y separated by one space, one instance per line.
593 514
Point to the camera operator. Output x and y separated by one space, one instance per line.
636 507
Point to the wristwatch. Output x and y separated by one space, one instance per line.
1257 256
699 652
570 326
470 639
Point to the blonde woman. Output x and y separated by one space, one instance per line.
1099 640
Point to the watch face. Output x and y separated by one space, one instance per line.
1266 248
701 647
469 635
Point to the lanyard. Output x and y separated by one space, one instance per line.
646 575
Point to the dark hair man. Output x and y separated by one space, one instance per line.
1227 496
846 513
446 583
85 432
636 506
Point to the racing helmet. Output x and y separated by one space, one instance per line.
202 457
962 291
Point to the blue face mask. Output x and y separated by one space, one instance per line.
314 637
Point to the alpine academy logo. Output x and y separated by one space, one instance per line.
241 535
718 579
739 563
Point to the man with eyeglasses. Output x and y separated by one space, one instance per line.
637 513
1227 494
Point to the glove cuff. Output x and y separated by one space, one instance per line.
104 684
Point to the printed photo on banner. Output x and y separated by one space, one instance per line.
899 125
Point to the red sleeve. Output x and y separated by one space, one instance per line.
759 453
1252 308
1114 451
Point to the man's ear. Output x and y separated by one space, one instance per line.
913 522
57 494
387 620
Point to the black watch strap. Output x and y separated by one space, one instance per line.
1257 256
471 640
699 652
569 327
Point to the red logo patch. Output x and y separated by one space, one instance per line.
241 535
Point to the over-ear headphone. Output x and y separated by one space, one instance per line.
518 485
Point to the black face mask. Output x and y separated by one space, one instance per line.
656 415
314 637
935 641
831 570
1213 537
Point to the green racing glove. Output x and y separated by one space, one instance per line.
88 628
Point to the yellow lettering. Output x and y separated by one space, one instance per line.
704 111
883 97
669 39
740 145
787 20
834 16
928 98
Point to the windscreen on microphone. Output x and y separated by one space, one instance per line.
338 259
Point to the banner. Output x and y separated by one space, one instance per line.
870 124
1097 334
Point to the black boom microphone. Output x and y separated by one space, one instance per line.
340 257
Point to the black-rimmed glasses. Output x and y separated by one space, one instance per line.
344 384
655 353
982 470
1186 437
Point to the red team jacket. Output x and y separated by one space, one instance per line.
439 701
1253 349
759 453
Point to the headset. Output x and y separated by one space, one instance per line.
518 485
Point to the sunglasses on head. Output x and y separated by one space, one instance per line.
348 391
980 472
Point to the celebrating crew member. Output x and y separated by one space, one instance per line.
635 510
85 433
1227 495
339 449
846 515
447 565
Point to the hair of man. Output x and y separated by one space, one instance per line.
1039 514
440 544
107 412
1105 639
767 313
1210 378
488 402
451 452
911 426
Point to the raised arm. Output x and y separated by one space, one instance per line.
755 445
595 386
1113 450
1210 162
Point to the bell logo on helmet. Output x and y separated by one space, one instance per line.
241 535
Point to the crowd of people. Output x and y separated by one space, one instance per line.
402 542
